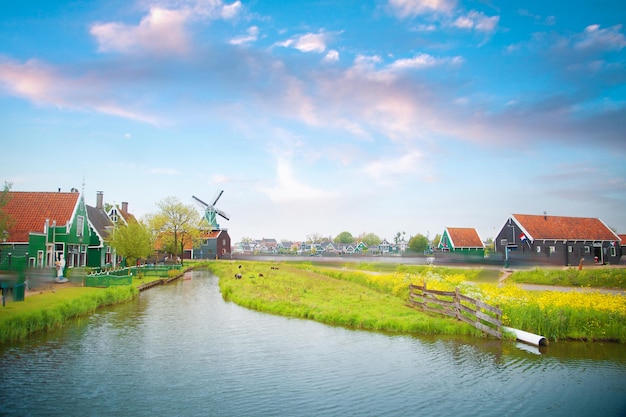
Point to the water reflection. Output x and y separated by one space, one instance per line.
181 350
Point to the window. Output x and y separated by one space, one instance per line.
570 249
107 255
504 242
587 249
538 249
80 225
552 249
613 252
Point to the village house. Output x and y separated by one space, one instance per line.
99 253
461 240
214 244
46 228
557 240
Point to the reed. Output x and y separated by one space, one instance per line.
52 310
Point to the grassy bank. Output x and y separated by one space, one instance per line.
53 309
377 301
294 292
594 277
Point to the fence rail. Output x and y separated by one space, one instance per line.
124 276
477 313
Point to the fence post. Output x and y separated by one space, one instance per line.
457 301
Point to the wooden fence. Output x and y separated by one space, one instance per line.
454 304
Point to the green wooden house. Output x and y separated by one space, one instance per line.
100 254
461 240
47 227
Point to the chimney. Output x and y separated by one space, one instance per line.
100 200
125 206
545 215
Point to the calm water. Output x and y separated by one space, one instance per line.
181 350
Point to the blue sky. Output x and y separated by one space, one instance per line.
317 117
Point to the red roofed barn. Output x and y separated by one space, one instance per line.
558 240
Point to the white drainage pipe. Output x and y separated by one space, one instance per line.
526 337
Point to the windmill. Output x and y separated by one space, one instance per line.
211 212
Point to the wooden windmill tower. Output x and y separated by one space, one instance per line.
211 212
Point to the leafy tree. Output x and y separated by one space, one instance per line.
6 221
371 239
436 240
175 221
314 237
132 241
489 246
399 237
344 237
418 243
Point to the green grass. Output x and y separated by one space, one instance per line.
596 277
293 291
51 310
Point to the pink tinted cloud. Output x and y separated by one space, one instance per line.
161 32
45 85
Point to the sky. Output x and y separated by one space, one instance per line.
318 117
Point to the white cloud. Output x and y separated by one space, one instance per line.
221 179
597 38
366 66
383 170
161 32
252 36
478 21
310 42
289 190
230 11
412 8
332 56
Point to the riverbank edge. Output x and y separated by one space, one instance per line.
20 325
255 304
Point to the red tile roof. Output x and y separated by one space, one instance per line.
464 237
29 211
623 239
561 227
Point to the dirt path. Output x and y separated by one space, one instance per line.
538 287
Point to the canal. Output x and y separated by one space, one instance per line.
180 350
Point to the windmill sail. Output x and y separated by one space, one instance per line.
211 212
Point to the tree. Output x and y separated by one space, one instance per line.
176 222
314 238
6 221
399 237
418 243
132 241
344 237
371 239
436 240
489 246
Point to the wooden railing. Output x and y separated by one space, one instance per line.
454 304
